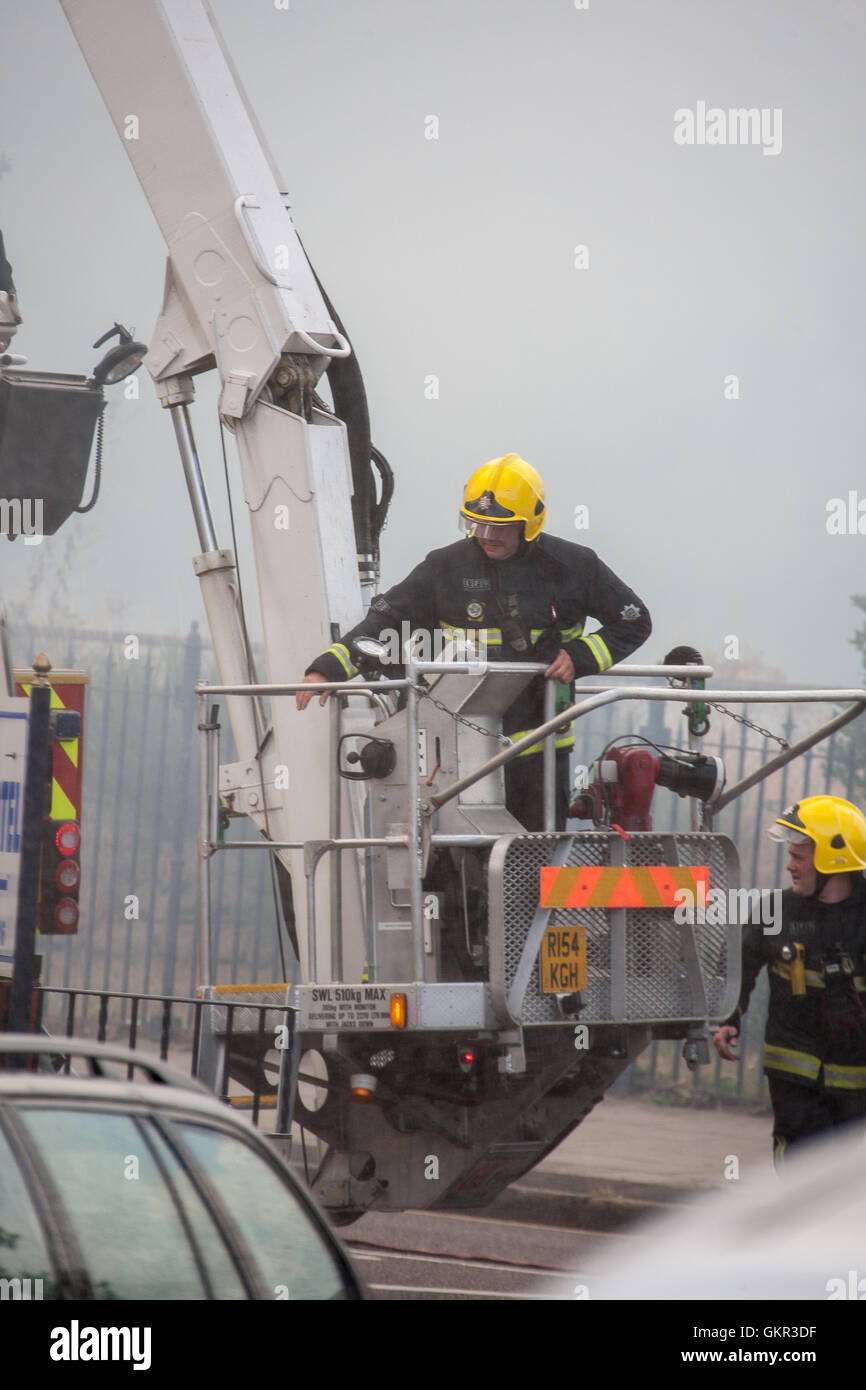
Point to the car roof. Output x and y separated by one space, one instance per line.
96 1053
162 1087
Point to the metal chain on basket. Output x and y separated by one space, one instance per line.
741 719
738 718
461 719
506 742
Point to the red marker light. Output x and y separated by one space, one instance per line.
68 838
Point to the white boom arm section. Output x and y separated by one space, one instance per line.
239 295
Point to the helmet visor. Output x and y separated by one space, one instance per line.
787 835
487 530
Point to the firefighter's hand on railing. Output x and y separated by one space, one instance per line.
724 1040
303 697
561 668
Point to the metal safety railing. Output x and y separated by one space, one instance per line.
420 810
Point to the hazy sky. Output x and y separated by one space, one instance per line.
455 257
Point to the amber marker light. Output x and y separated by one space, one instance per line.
362 1087
398 1011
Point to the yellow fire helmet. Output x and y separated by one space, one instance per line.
836 828
503 491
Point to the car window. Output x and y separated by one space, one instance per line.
122 1211
294 1256
224 1278
23 1253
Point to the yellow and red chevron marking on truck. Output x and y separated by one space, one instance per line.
67 692
594 885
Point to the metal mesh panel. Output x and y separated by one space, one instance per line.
657 986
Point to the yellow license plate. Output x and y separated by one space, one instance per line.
563 960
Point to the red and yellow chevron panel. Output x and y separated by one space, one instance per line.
594 885
67 692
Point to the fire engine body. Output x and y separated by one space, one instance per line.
466 992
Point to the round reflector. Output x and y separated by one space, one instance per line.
68 837
66 915
67 875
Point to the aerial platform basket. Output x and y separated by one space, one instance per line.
596 927
47 423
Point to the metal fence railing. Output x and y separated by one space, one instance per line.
138 896
175 1029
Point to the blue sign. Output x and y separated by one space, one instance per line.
11 796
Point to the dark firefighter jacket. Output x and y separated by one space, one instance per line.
524 608
818 1038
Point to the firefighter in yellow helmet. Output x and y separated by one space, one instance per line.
815 1039
519 595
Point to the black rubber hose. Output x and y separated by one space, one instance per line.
350 404
97 472
386 485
